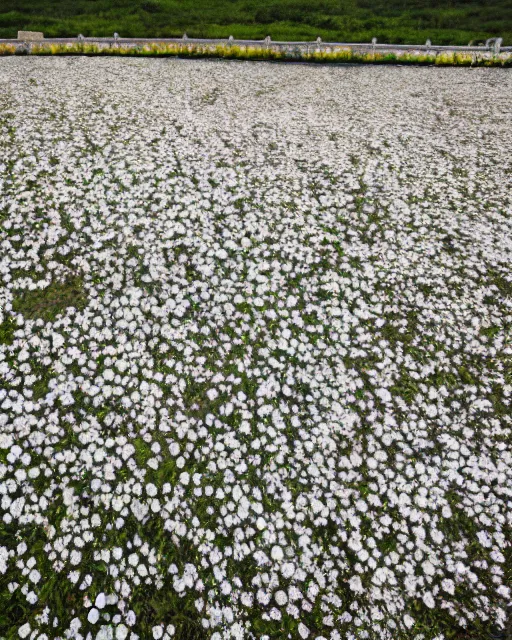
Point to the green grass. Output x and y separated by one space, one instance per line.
49 302
398 21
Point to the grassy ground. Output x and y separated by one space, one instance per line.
399 21
255 351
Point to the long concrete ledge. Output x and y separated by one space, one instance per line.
492 50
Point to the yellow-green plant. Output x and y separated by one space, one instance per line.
244 52
7 49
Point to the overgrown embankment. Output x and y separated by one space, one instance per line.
253 50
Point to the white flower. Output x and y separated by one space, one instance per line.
73 576
93 615
122 632
130 618
384 395
288 569
212 394
34 576
151 489
484 538
429 600
408 621
4 556
58 340
355 584
100 601
277 553
133 559
448 586
24 630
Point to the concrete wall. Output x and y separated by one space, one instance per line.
492 48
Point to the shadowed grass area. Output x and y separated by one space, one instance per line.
7 328
399 21
49 302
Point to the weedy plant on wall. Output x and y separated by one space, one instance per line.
240 52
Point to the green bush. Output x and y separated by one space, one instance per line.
399 21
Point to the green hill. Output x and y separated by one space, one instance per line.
398 21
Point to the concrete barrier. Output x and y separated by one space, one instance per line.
30 36
492 50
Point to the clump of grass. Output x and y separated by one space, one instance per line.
49 302
7 328
7 49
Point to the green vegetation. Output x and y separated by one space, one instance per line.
49 302
398 21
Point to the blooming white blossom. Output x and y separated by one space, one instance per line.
93 615
277 553
100 601
254 347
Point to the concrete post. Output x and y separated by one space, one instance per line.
30 36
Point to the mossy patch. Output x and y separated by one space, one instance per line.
7 328
49 302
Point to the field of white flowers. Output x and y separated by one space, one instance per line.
255 350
